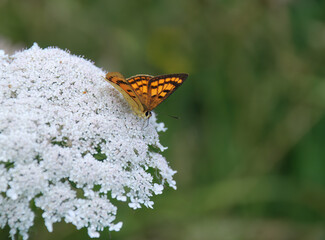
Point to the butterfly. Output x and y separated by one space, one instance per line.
145 92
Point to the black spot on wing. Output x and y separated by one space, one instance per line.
175 84
119 82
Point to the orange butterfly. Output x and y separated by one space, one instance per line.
145 92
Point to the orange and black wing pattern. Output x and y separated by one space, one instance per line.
123 86
145 92
140 84
161 87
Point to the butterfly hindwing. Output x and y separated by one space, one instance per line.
124 87
161 87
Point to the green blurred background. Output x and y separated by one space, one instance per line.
249 146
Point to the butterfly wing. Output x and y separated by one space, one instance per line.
123 86
140 84
161 87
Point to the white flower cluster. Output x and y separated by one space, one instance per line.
69 143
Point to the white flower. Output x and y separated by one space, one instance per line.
158 188
3 179
63 130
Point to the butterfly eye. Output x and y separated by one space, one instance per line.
147 114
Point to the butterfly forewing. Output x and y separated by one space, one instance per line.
161 87
124 87
139 83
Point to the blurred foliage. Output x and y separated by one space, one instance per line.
249 145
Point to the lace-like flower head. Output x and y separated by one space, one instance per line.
69 142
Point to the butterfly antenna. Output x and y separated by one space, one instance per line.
175 117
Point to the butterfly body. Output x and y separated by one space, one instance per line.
145 92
